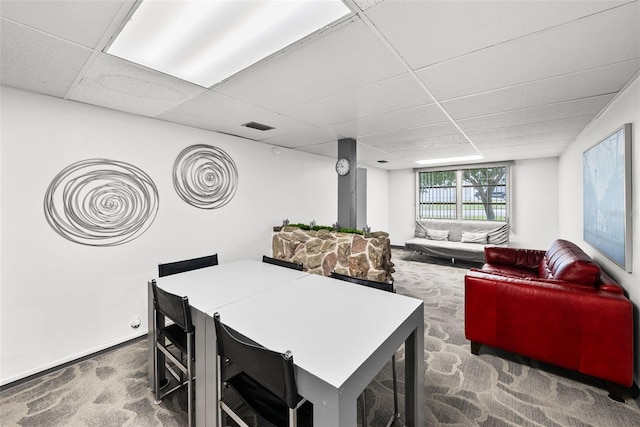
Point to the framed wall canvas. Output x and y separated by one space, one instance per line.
607 197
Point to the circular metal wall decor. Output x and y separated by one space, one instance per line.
101 202
205 176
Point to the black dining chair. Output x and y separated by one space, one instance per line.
388 287
282 263
176 343
170 268
264 380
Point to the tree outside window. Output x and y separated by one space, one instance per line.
475 193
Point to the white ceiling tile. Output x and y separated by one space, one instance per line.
83 22
598 81
327 149
531 129
305 137
441 30
388 95
579 45
346 57
525 152
422 132
445 141
393 121
34 61
560 139
444 152
366 4
213 111
367 156
114 83
282 125
561 110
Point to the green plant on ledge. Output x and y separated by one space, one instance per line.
326 227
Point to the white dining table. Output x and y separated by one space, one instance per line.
340 334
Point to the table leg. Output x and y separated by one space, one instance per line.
414 376
336 409
205 387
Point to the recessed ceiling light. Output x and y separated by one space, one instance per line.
206 41
450 160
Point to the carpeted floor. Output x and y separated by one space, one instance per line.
493 389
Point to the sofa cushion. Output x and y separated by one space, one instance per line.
442 235
566 261
469 237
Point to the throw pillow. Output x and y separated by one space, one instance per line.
499 236
468 237
438 234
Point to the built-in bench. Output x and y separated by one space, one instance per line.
457 239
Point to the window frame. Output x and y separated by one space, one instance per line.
459 186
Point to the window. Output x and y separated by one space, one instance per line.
472 193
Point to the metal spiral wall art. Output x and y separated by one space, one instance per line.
205 176
100 202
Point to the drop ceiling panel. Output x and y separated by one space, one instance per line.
524 151
458 150
446 141
422 132
441 30
346 57
114 83
598 81
381 97
82 22
579 45
393 121
306 137
328 149
531 129
213 111
561 139
282 125
519 153
561 110
34 61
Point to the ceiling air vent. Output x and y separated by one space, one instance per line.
258 126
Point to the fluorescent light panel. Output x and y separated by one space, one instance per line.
450 160
206 41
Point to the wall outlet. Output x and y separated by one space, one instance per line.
136 322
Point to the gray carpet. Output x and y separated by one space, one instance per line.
493 389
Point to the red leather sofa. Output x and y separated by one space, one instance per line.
555 306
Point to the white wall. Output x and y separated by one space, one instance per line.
534 216
534 198
624 109
402 205
61 300
377 199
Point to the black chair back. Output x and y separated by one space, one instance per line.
369 283
170 268
173 306
273 370
282 263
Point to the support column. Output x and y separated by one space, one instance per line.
347 185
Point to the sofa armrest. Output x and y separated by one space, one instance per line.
514 257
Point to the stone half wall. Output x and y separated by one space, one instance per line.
324 251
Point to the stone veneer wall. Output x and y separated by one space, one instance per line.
324 251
